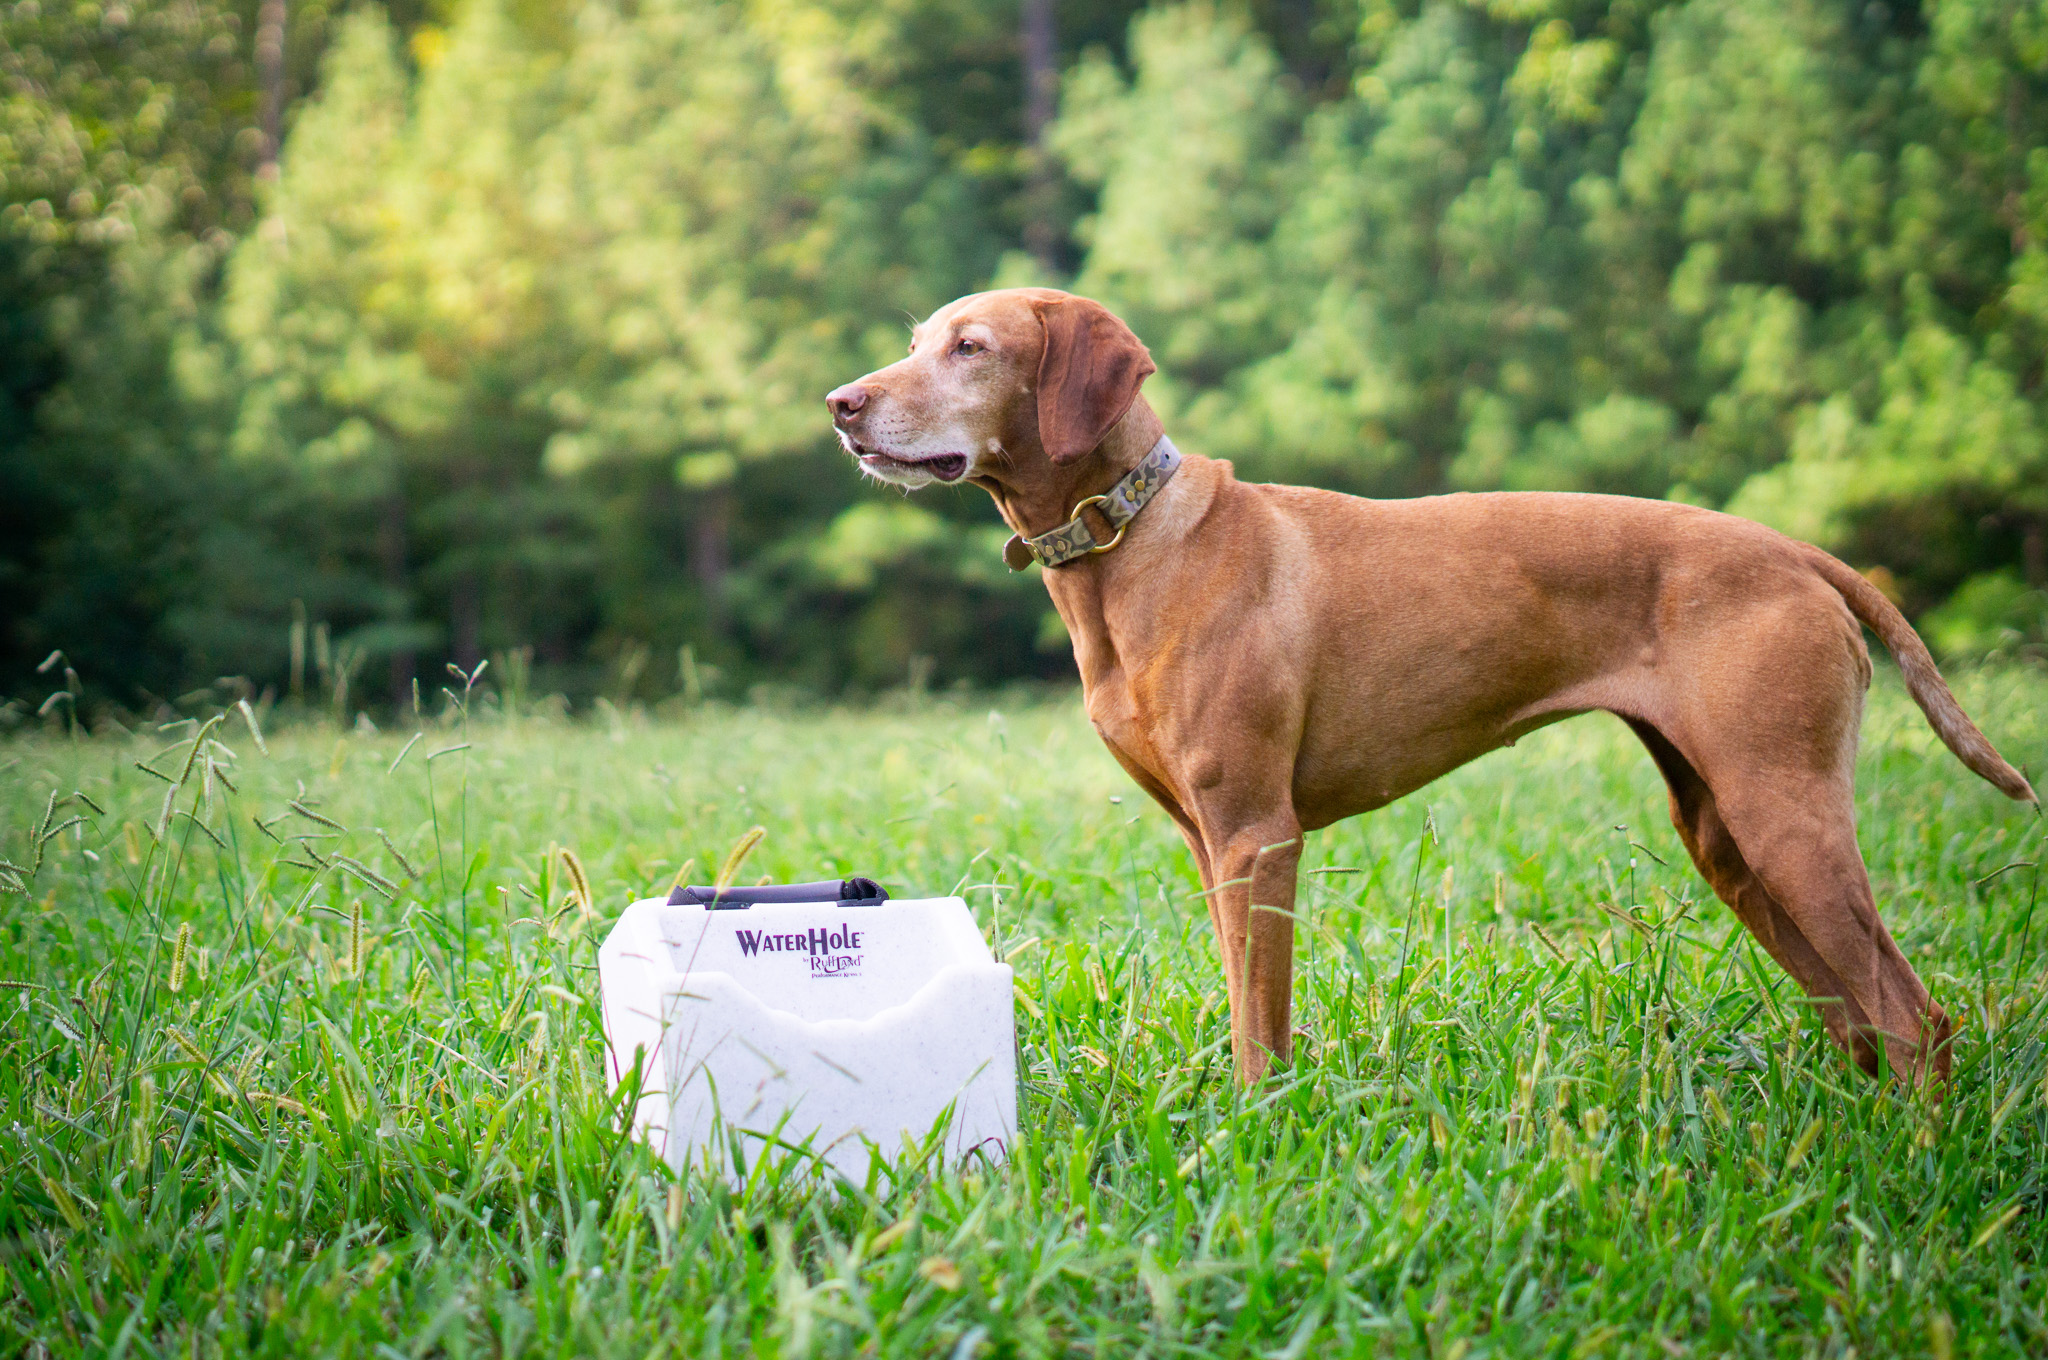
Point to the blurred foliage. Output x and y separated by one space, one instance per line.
1782 258
521 343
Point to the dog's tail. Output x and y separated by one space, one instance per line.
1929 690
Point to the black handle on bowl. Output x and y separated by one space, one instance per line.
847 892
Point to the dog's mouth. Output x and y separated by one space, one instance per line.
947 467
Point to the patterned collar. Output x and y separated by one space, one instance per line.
1119 505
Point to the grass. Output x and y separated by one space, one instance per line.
301 1058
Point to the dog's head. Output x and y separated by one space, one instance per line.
995 384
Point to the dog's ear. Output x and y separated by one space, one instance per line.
1087 377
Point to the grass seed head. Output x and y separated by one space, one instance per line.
285 1103
1941 1335
941 1272
67 1206
579 882
1803 1146
741 848
398 855
179 952
142 1126
255 730
198 741
186 1042
356 952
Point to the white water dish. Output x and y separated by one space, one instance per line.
818 1018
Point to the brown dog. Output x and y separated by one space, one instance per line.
1265 660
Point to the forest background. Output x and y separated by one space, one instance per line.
340 342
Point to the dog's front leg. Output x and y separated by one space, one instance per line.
1252 906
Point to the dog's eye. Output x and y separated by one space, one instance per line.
967 347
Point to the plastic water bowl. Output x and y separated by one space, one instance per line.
818 1015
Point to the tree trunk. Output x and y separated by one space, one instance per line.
391 544
709 548
466 619
270 20
1038 36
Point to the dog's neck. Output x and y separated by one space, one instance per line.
1041 500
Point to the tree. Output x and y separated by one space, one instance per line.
120 178
1783 258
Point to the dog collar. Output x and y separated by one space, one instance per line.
1119 505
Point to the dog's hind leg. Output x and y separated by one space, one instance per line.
1801 842
1720 862
1791 872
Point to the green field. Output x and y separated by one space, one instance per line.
1546 1099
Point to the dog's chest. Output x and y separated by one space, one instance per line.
1127 684
1125 729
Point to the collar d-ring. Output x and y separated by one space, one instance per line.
1118 506
1121 529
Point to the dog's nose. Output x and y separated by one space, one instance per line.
845 402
